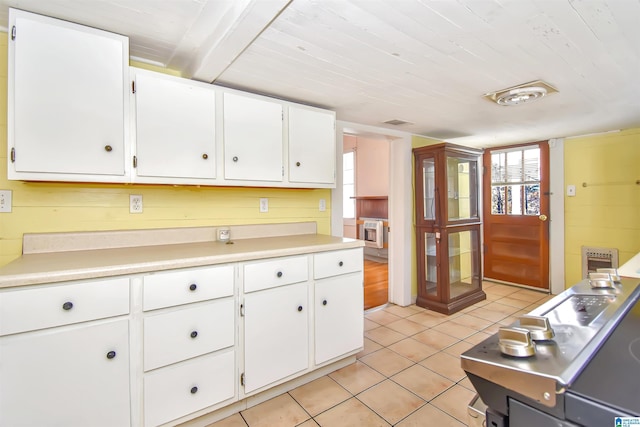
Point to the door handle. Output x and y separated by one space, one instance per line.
543 217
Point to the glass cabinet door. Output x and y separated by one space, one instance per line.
429 188
462 188
464 261
430 265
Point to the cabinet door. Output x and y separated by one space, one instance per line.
312 146
339 318
275 334
67 94
66 377
175 127
252 139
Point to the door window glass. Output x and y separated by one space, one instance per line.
515 181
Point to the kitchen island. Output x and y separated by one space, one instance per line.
162 327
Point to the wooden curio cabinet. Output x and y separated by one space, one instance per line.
448 227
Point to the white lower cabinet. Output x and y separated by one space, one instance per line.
187 387
168 346
276 334
339 316
69 376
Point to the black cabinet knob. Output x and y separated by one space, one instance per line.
324 302
340 263
67 305
193 287
297 163
194 334
235 158
205 156
299 308
194 390
111 354
279 274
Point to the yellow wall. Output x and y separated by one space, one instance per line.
606 213
57 207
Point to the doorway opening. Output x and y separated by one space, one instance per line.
365 209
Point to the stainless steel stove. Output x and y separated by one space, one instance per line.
565 358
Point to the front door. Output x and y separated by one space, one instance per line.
516 214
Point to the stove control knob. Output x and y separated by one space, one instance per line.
516 342
538 327
600 280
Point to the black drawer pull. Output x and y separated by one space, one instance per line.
279 274
67 305
194 390
194 334
111 354
324 302
299 308
340 264
193 287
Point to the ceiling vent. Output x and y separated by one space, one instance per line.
521 94
397 122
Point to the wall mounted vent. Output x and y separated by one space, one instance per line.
594 258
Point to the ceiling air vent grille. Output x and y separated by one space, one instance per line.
397 122
521 94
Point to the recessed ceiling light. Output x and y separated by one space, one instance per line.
521 94
397 122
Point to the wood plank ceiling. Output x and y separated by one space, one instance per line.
425 62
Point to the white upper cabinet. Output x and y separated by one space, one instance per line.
252 138
312 147
68 101
175 127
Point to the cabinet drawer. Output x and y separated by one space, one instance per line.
171 288
44 307
333 263
182 389
186 333
275 272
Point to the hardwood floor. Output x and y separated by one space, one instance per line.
376 284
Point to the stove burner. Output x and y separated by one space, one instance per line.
634 349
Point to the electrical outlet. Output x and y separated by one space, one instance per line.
264 205
135 203
5 200
322 205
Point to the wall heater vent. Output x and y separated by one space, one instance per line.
594 258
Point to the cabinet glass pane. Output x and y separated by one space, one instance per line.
429 185
462 177
431 268
464 274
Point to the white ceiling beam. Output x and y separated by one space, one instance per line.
223 31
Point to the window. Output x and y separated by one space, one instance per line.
515 181
348 185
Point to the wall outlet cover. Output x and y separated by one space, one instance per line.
135 203
5 200
264 205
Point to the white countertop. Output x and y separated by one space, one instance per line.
38 268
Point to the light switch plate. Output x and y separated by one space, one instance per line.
5 200
322 205
571 190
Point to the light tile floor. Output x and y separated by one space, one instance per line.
408 373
